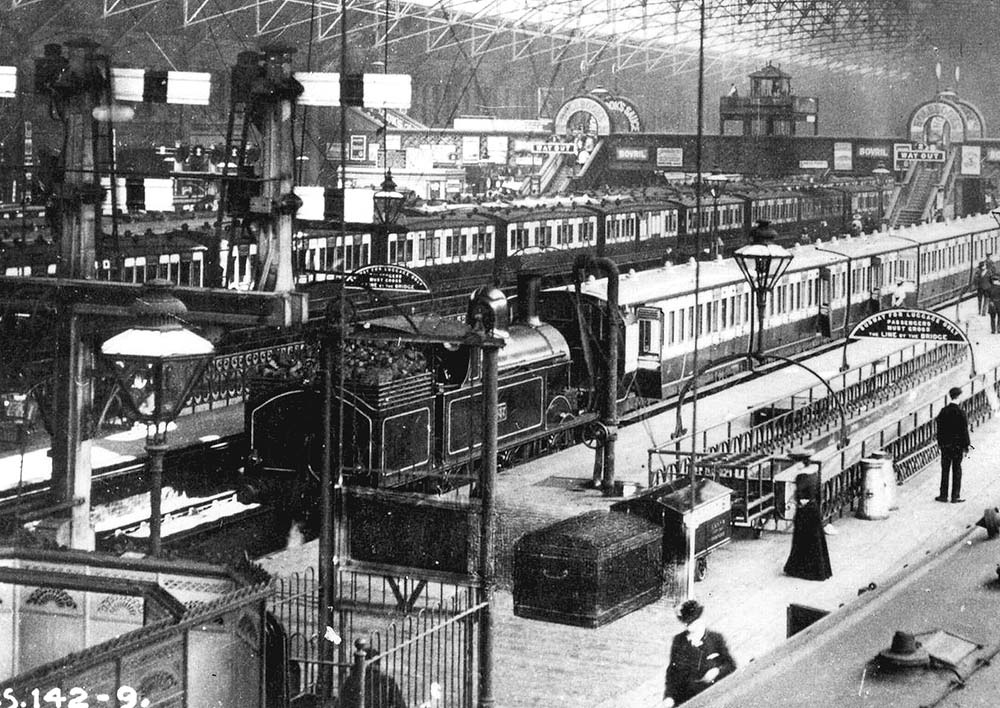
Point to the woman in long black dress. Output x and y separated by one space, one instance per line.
809 558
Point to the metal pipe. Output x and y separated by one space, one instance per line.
693 471
326 577
833 394
486 510
609 393
155 450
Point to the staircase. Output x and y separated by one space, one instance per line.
921 189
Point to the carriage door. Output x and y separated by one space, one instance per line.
875 294
647 351
825 295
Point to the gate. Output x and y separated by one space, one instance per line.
418 633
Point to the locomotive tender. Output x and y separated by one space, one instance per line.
546 375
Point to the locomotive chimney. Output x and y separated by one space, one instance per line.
528 285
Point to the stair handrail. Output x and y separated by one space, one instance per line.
549 170
927 213
590 160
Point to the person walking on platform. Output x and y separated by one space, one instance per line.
953 439
994 304
985 273
809 558
698 657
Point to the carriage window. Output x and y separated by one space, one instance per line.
544 234
518 239
650 331
482 243
195 274
673 325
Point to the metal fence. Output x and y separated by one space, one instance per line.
422 634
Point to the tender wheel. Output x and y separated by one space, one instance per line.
505 458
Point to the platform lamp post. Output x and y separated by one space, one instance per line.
882 175
716 183
387 204
762 262
156 363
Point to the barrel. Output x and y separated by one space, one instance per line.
878 487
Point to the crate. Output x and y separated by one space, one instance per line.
669 506
588 570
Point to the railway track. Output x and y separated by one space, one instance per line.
199 466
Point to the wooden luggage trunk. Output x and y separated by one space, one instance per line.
588 570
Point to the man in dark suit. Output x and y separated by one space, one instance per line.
698 657
953 439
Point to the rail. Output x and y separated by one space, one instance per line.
738 451
417 616
910 440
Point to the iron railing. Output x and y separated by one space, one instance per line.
424 628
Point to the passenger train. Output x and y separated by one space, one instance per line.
452 244
546 388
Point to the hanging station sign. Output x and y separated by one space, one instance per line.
908 323
386 277
905 153
550 148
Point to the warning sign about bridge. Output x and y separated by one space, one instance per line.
906 323
386 277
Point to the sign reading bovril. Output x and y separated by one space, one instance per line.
909 323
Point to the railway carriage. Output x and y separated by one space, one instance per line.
178 256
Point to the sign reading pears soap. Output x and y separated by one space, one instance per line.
909 323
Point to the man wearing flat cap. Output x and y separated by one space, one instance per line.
698 657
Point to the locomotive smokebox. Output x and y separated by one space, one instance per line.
529 284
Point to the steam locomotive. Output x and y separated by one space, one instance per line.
412 415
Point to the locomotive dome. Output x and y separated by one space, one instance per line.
527 344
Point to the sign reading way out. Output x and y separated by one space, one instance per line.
907 323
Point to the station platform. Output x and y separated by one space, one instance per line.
746 594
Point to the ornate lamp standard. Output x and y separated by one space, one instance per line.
388 202
882 175
716 184
156 363
762 262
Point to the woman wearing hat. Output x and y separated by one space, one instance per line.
698 657
809 557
